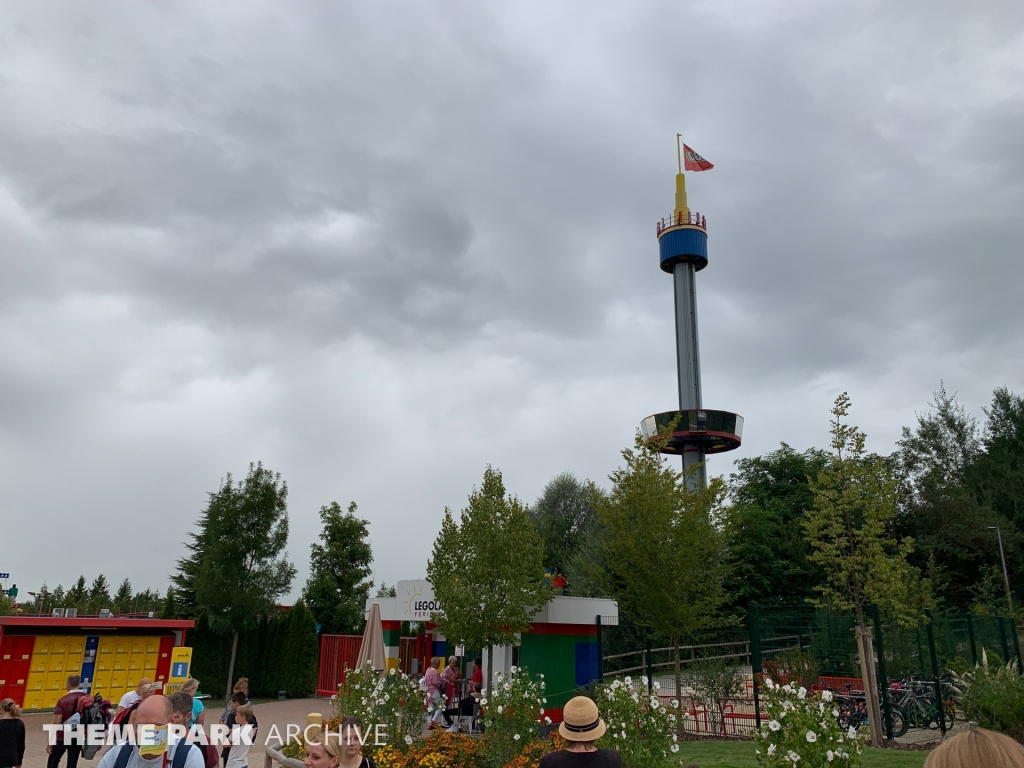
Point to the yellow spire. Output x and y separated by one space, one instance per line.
680 179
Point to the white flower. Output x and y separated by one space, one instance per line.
408 739
516 737
512 670
500 709
615 735
627 680
826 696
675 747
391 671
657 686
507 686
771 750
541 675
654 702
793 756
768 683
802 693
788 689
544 701
547 720
483 702
542 711
852 733
775 725
830 755
811 737
835 712
675 737
674 703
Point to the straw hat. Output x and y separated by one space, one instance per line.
581 721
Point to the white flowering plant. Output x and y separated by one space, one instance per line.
640 727
513 711
802 729
393 701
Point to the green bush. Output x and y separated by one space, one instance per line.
993 697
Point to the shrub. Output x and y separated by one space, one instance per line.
993 697
393 701
513 712
714 683
802 728
640 729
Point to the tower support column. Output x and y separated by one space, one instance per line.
688 361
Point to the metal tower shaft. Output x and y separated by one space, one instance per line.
688 360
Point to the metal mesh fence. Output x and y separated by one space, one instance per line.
816 648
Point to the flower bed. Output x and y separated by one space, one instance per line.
804 729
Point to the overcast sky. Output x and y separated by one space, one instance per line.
380 245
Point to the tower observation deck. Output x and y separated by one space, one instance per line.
696 431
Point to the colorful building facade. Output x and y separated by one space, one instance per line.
110 655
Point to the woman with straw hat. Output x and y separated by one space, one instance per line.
581 726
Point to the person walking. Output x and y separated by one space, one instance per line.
12 735
581 726
67 707
241 738
451 677
132 697
432 680
191 687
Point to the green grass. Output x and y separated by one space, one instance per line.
740 754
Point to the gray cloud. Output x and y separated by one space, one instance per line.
378 247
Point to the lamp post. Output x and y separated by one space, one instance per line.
1006 576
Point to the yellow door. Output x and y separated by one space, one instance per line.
42 645
138 645
73 663
55 681
119 680
76 645
36 682
33 699
151 662
57 663
39 663
59 644
124 645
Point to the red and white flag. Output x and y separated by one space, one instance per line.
694 162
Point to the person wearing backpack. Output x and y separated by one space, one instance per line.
67 708
155 711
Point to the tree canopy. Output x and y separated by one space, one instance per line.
338 584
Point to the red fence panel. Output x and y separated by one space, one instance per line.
337 653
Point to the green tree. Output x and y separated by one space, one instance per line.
78 595
243 570
664 551
122 599
848 529
302 652
564 517
385 591
168 609
487 569
940 511
768 554
338 586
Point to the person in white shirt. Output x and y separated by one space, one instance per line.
156 710
238 754
131 697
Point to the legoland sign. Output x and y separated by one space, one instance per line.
416 600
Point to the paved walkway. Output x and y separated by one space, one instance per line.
279 713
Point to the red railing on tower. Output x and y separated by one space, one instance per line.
679 219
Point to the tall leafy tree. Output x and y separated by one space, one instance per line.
664 551
244 568
849 530
99 593
487 569
939 509
338 583
768 554
564 517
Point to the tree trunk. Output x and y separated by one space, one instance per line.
867 671
490 670
231 666
679 683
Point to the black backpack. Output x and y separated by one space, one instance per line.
89 713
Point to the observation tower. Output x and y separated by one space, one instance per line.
683 245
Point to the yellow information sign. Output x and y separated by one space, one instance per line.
181 662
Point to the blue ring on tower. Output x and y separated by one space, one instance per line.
683 243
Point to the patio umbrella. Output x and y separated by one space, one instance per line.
372 648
